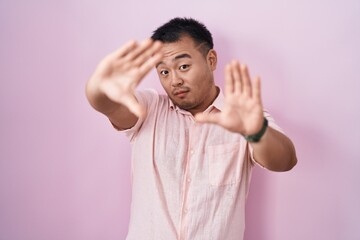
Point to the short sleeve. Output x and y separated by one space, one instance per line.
145 98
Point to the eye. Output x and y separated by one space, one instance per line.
184 67
164 72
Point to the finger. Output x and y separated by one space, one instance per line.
229 83
125 99
246 83
123 50
149 64
110 60
208 118
236 72
149 53
146 55
256 89
140 49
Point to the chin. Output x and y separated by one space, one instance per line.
186 106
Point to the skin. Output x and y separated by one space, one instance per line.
187 77
110 90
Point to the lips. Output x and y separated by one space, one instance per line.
180 92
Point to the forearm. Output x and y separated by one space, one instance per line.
118 114
275 151
98 100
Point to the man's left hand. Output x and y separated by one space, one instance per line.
243 111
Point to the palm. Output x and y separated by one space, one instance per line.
120 85
123 70
242 112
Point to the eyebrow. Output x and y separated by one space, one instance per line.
180 56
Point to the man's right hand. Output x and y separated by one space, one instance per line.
112 85
119 73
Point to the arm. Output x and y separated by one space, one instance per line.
243 113
110 90
275 151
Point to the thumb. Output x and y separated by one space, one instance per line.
132 104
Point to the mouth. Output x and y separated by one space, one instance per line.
180 92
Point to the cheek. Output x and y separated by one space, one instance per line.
165 85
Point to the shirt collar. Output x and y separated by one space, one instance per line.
218 102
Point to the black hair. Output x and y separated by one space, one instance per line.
176 28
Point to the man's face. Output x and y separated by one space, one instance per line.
187 75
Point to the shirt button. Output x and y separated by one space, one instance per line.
191 152
188 180
186 210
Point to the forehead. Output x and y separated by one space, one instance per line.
185 45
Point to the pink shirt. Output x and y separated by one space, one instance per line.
189 180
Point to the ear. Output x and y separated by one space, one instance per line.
212 59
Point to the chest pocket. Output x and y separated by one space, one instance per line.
225 163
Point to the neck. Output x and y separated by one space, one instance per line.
214 92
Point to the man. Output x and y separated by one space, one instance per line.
192 149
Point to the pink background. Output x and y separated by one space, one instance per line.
65 173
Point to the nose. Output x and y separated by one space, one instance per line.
176 81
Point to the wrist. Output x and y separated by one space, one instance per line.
257 136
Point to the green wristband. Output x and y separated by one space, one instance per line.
256 137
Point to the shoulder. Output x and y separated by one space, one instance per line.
151 98
146 94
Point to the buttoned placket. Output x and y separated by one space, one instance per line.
187 180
